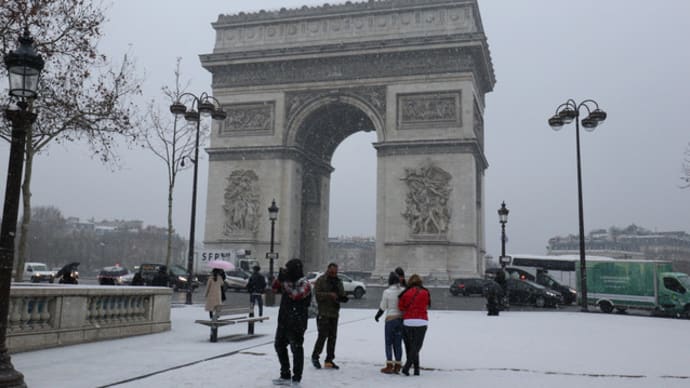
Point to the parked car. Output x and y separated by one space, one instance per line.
352 287
568 293
179 280
38 272
236 279
114 276
146 273
470 286
543 278
515 273
526 292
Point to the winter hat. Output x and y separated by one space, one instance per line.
393 278
293 269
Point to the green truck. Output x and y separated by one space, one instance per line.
637 284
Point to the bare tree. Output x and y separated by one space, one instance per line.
686 169
172 141
81 97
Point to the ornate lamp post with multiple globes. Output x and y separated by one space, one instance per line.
203 105
503 219
24 67
272 255
566 113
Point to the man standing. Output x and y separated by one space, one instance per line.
329 293
256 287
295 293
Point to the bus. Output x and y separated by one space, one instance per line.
560 268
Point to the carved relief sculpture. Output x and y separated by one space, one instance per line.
427 211
375 96
245 119
425 110
241 203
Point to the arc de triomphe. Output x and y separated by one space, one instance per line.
295 83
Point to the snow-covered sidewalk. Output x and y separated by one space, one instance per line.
467 348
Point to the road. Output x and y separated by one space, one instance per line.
441 299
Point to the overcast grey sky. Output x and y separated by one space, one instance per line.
631 56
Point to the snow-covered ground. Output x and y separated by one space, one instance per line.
462 348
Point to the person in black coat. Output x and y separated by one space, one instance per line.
293 313
161 278
256 287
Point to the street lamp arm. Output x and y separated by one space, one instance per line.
187 94
570 103
586 103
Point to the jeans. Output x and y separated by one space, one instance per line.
328 330
414 339
393 333
257 299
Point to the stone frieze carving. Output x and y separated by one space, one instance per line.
375 96
349 68
248 118
241 203
427 203
430 108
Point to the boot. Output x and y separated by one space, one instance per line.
406 368
388 369
397 367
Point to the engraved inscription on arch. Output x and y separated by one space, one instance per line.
248 119
427 209
423 110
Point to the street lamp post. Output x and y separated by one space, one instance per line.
273 216
24 66
205 105
566 113
503 219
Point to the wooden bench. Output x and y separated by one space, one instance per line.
226 315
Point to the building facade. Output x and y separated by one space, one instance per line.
632 242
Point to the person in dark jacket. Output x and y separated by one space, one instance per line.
161 278
329 292
413 304
401 275
256 287
295 293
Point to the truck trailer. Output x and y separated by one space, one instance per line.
637 284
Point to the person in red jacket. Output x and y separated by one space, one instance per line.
413 302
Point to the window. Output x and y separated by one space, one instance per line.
674 285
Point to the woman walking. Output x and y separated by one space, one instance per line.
413 303
214 291
394 326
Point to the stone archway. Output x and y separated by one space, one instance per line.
296 83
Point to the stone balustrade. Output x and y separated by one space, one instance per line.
43 316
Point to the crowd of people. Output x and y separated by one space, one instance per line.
404 304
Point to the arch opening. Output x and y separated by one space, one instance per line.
326 127
319 135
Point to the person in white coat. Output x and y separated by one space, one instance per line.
394 324
214 291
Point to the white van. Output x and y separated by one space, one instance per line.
38 272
